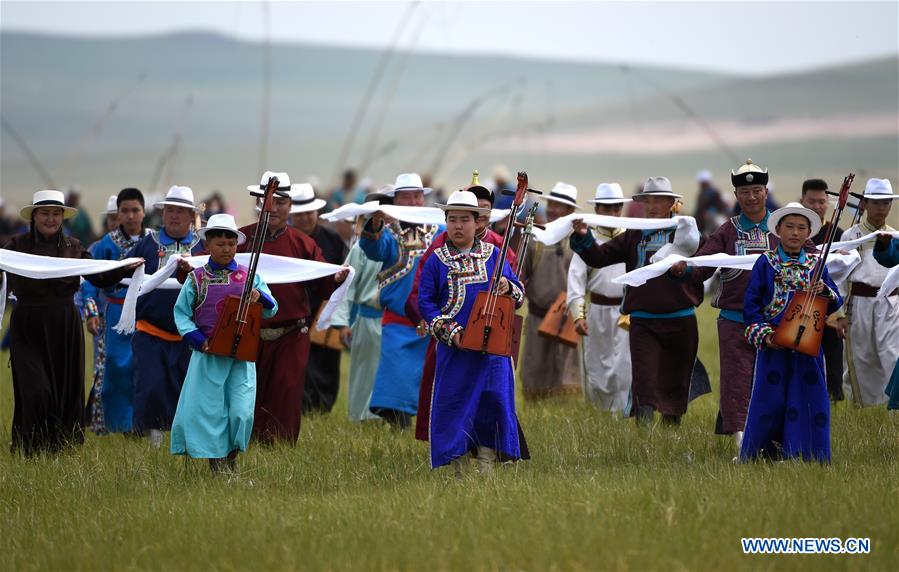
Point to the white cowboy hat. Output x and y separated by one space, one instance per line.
879 189
656 187
463 201
609 194
222 222
794 209
178 197
563 193
112 204
48 198
408 182
283 182
704 176
302 199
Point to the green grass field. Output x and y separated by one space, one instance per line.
599 493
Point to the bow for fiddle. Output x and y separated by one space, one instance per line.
803 323
236 333
489 328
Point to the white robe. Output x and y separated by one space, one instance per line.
872 342
606 352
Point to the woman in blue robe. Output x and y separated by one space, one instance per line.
473 403
789 409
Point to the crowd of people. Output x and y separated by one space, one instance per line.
404 314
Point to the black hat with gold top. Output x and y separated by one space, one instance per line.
479 190
748 175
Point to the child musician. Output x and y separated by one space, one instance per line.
214 419
789 410
473 402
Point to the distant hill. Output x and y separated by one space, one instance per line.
451 112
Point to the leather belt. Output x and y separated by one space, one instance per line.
272 334
865 291
601 300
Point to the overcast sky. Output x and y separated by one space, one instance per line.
749 37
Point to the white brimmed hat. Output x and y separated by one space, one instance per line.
283 182
48 198
222 222
794 209
408 182
112 204
656 187
609 194
879 189
704 176
302 199
463 201
178 197
563 193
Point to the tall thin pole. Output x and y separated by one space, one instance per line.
32 158
266 87
369 91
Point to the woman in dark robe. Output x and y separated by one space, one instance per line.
46 335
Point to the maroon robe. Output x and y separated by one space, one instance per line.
281 366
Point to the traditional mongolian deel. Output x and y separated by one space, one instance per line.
473 402
215 410
160 356
398 246
663 330
606 353
789 411
47 348
738 236
361 311
872 339
117 392
284 350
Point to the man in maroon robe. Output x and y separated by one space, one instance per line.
284 349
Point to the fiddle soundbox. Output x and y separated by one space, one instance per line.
802 327
236 333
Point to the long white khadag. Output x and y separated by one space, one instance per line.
561 227
413 215
890 283
839 265
273 269
43 267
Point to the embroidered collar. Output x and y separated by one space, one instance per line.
270 236
787 259
232 266
746 225
477 250
166 240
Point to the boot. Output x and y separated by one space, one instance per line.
644 414
486 460
738 439
155 438
671 420
460 465
231 462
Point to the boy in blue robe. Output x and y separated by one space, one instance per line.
473 401
214 419
789 410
